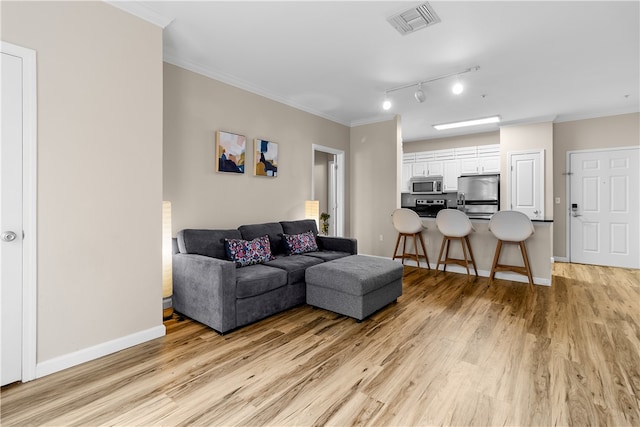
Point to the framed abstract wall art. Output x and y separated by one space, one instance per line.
265 158
231 151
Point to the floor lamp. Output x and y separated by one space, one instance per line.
167 269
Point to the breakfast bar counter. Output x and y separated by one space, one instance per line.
483 244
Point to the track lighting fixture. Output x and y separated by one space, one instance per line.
419 93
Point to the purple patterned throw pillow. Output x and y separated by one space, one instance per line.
300 243
244 252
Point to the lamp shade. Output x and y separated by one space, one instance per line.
167 254
312 210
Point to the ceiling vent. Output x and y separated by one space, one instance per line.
414 19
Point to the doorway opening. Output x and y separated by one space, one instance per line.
327 185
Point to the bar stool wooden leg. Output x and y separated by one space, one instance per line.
395 250
440 255
424 250
466 258
473 261
415 250
525 256
496 257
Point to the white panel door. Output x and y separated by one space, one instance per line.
11 218
604 208
526 183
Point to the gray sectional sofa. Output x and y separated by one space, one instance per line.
209 288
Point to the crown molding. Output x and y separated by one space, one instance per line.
138 9
241 84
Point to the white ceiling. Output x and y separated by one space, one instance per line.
543 60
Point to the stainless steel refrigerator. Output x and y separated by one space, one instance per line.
479 195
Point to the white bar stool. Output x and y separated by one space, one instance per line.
511 227
455 225
409 224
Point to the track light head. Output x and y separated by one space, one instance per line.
386 104
419 95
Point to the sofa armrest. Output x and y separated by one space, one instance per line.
341 244
204 288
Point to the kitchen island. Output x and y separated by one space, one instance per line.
483 244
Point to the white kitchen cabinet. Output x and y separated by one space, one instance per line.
480 165
489 164
451 172
434 168
406 176
408 157
469 166
419 169
466 152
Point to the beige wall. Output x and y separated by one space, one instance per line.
486 138
195 107
536 136
604 132
375 185
99 74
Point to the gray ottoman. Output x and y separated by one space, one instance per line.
355 286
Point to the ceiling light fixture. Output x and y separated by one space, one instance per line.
457 88
474 122
419 93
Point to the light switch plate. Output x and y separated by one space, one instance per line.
557 200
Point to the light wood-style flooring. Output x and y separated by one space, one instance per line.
449 352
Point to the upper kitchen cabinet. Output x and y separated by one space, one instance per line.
408 159
451 172
487 160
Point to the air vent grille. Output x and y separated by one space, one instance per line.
414 19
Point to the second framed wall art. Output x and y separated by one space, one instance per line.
265 158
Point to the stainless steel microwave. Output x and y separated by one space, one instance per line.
426 185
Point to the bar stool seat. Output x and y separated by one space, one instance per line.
511 227
455 225
409 224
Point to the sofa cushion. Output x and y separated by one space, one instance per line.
294 265
328 255
300 243
248 252
300 226
272 229
258 279
205 242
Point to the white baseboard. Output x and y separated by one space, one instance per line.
85 355
560 259
484 273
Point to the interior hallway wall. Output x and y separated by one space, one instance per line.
375 183
99 76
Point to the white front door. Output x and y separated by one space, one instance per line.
11 218
604 207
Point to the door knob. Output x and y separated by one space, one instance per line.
8 236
